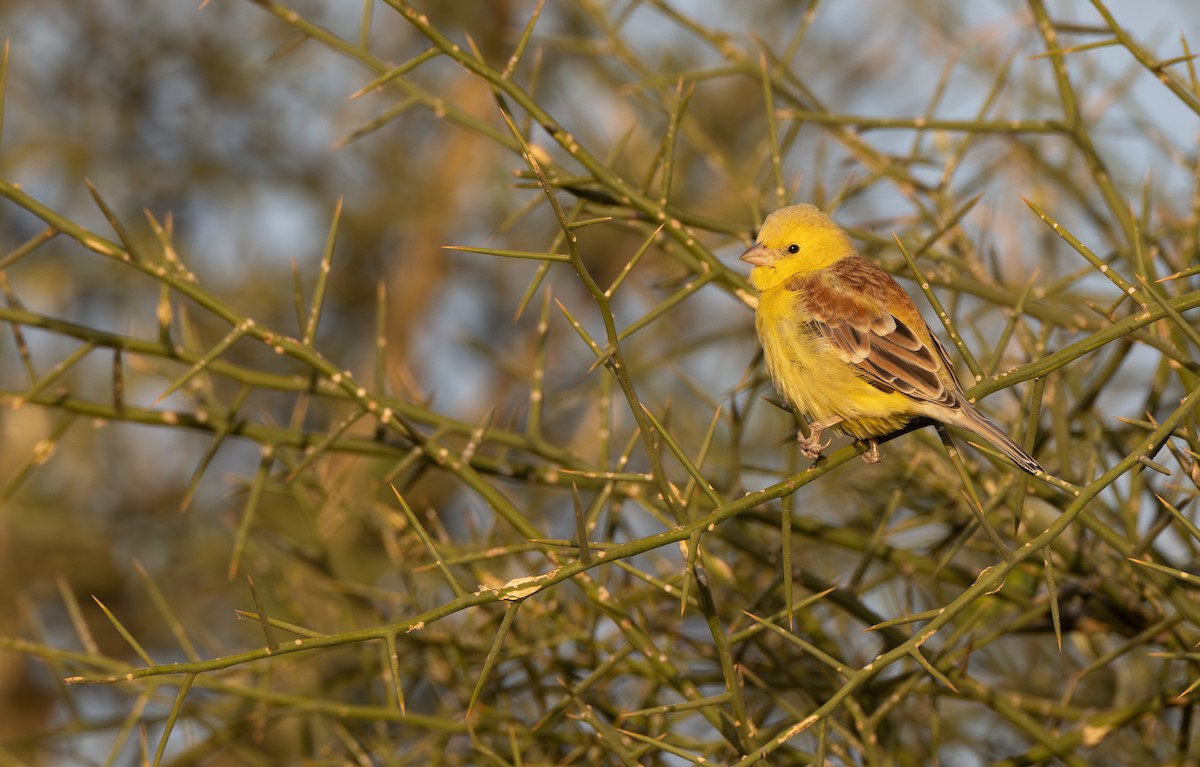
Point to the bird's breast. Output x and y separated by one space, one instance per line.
812 377
794 352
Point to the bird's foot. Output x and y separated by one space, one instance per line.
811 445
872 455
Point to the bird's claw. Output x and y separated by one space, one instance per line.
872 455
811 445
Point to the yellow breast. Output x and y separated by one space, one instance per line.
813 378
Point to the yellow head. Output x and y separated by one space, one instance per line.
796 240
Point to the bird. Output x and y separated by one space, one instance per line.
844 343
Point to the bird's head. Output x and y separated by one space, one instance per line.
798 239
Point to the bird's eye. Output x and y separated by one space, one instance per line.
793 248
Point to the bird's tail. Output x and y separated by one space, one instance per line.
977 422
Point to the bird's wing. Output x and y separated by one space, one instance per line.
872 324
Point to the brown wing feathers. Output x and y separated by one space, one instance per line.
844 304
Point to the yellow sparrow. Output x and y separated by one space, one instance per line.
845 344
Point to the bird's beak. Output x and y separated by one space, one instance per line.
757 255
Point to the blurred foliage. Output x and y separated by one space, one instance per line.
378 389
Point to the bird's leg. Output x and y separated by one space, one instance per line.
811 445
872 455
